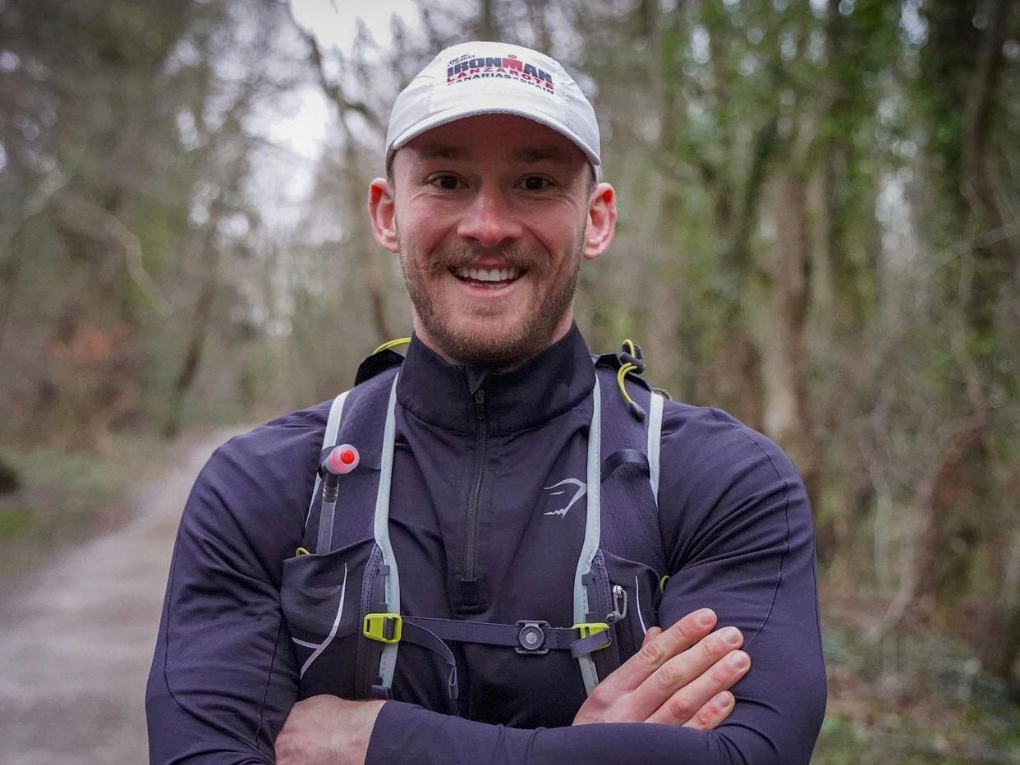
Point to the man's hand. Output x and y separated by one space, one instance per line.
681 676
327 730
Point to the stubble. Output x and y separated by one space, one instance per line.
480 348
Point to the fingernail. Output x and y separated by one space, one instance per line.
731 635
739 660
722 700
705 617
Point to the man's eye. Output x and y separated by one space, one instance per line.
535 183
448 182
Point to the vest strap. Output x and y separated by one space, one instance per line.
336 410
654 439
592 533
621 458
381 528
526 636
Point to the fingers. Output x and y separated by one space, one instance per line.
653 632
714 711
687 681
658 649
704 702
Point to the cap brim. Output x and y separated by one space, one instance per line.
496 107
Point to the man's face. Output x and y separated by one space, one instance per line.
491 216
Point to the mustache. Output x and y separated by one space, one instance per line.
515 256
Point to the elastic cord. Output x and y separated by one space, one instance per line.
392 344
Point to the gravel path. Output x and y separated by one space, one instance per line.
76 637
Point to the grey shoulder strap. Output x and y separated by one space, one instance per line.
336 411
391 587
654 438
592 531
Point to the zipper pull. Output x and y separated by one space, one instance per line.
480 404
619 605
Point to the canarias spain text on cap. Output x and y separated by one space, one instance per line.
467 67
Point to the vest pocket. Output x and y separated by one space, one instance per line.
320 596
640 586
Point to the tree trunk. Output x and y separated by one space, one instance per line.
193 354
980 184
787 416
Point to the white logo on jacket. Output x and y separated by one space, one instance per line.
580 490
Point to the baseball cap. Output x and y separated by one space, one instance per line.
493 78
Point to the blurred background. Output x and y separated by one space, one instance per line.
818 231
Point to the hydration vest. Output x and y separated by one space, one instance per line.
342 599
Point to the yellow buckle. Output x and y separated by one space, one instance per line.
386 628
588 629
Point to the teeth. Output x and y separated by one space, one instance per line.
488 274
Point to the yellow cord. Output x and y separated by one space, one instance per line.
301 551
619 379
630 345
392 344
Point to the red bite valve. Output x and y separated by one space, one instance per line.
343 459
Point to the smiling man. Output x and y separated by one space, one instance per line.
496 213
496 548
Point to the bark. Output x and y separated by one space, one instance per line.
1000 656
540 24
197 339
10 269
488 28
925 539
980 184
787 416
996 261
374 276
836 278
766 143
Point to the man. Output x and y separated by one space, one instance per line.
515 511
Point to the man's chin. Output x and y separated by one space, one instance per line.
485 343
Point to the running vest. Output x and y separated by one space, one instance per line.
340 593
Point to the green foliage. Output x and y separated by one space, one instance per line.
68 496
908 699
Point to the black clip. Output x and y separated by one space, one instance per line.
636 358
532 637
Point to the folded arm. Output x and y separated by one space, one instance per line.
737 523
223 678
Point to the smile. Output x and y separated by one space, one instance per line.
489 277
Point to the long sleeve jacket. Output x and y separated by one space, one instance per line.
485 526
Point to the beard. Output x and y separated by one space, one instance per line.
482 347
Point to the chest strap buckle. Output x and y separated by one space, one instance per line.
594 637
386 628
532 637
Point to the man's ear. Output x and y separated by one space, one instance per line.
383 214
601 221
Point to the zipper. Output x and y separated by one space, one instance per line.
471 542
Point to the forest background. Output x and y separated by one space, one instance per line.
818 231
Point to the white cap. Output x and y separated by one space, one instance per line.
493 78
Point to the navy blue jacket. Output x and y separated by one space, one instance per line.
733 531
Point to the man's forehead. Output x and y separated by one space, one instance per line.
560 155
503 137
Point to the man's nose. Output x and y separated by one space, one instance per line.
489 219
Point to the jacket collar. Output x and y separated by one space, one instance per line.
444 394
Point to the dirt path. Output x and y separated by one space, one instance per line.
76 637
